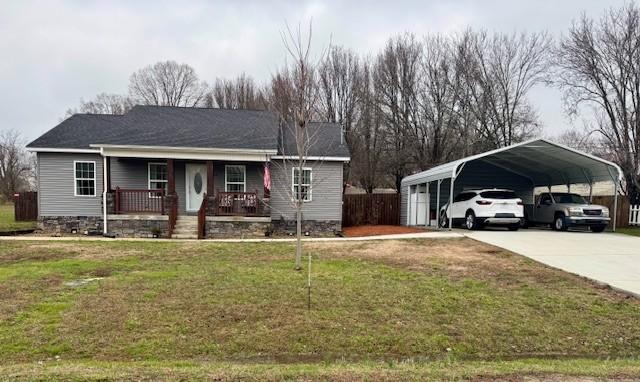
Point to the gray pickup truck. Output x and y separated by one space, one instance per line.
563 210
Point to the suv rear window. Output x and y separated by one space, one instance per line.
498 195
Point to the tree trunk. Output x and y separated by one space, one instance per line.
298 238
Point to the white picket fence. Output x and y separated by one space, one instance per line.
634 215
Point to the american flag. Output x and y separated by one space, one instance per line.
267 179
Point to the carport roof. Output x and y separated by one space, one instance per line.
543 162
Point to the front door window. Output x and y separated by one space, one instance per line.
196 182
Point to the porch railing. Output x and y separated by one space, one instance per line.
202 217
238 204
139 201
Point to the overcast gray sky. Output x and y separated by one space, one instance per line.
55 53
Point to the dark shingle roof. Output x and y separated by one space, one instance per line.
324 140
186 127
78 131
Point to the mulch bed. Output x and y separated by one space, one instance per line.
375 230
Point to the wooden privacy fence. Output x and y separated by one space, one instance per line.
26 206
622 220
634 215
371 209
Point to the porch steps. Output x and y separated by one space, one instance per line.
186 228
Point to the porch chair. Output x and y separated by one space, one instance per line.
250 203
225 204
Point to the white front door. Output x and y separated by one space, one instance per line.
195 185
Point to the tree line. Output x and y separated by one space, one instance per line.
425 100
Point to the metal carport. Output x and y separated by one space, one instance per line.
521 167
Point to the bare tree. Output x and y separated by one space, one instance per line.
598 66
167 84
367 135
279 93
501 70
340 81
295 95
15 164
396 74
240 93
435 139
103 103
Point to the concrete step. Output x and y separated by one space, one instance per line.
186 226
184 230
184 236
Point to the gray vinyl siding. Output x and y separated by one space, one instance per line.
129 173
326 203
56 188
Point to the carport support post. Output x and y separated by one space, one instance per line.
409 205
615 207
453 179
438 205
428 201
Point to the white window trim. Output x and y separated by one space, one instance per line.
155 180
310 184
75 179
244 183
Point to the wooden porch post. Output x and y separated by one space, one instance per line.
210 185
108 170
171 183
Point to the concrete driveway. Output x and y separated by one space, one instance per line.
609 258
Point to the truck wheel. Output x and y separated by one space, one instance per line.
598 228
559 223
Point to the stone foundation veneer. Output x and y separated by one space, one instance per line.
314 227
58 225
220 227
217 227
138 225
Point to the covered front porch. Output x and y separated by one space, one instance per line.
185 192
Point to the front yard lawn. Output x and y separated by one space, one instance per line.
8 222
633 231
443 309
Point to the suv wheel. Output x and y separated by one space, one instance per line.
470 221
559 223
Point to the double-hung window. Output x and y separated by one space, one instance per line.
235 178
158 179
84 176
301 184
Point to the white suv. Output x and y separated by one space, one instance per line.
477 208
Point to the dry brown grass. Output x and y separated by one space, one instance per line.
457 259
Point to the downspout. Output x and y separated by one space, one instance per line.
616 180
104 191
